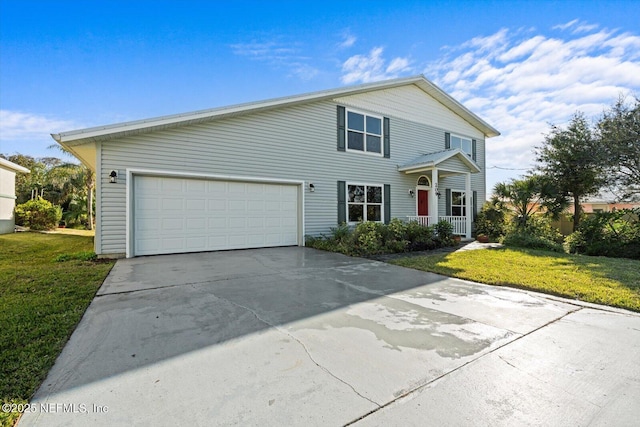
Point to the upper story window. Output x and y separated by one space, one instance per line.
463 143
364 133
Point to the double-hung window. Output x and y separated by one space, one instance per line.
364 133
364 202
458 203
463 143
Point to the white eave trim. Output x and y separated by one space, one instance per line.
474 168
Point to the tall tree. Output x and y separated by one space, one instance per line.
531 194
80 174
572 159
619 133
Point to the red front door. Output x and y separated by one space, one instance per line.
423 203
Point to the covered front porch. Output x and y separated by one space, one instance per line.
429 171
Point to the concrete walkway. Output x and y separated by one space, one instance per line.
295 336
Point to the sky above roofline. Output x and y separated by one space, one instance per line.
520 66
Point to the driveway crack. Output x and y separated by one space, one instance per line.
304 347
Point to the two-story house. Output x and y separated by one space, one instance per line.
270 172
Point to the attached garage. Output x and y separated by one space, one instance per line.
177 214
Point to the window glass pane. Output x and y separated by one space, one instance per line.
466 146
456 211
356 193
355 141
374 213
373 144
455 142
355 121
356 213
374 194
456 198
423 181
374 125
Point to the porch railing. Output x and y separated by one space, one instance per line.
459 223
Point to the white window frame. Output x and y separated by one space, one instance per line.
468 153
463 206
365 133
365 203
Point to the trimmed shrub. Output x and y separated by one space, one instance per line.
38 214
372 238
491 221
444 233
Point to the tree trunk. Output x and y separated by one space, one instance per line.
577 211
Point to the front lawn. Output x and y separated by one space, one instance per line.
41 302
609 281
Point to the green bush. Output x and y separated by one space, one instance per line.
536 234
491 221
612 234
444 233
371 238
38 214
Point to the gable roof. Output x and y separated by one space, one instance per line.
432 160
6 164
75 138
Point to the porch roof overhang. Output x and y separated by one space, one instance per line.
434 160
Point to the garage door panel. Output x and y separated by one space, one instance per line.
173 215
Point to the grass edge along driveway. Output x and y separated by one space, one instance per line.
609 281
41 302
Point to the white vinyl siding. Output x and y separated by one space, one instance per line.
288 143
411 103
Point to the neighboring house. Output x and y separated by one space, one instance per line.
268 173
599 205
8 172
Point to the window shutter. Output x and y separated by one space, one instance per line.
387 203
342 202
447 140
473 149
447 199
474 212
341 127
387 139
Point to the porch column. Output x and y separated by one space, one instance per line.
433 198
467 202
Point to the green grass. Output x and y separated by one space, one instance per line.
43 295
609 281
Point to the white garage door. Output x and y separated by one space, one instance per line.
174 215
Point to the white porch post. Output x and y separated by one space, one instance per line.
433 197
467 202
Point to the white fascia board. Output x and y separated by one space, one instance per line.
6 164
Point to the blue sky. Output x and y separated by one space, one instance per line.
520 65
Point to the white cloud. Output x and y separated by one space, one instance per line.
348 41
372 67
577 25
520 82
278 55
18 126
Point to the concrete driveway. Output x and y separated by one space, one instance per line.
295 336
